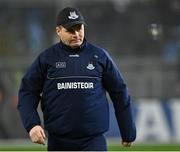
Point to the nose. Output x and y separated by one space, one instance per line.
75 34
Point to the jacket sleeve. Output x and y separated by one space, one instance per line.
30 95
118 92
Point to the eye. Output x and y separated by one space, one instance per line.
78 27
70 30
74 28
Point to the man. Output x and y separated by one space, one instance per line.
71 79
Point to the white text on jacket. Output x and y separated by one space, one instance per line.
75 85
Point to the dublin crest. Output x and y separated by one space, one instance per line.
90 66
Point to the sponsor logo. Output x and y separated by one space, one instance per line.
73 15
74 55
60 64
90 66
75 85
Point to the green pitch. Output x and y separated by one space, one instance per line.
111 147
146 147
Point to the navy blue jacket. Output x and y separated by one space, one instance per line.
72 85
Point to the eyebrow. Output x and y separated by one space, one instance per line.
75 26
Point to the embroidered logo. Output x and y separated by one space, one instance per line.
90 66
60 64
95 56
73 15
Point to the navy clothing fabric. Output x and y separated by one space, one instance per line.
90 143
72 85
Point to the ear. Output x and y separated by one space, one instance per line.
58 29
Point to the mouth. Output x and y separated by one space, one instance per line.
76 41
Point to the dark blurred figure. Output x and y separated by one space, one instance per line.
3 132
36 36
171 52
172 48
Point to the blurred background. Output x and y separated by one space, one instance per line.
142 36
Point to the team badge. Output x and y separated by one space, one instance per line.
73 15
90 66
60 65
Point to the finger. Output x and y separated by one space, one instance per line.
38 140
43 134
34 139
41 139
126 144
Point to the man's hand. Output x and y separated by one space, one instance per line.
126 144
37 135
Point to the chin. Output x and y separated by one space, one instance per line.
76 45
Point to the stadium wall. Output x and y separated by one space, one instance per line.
156 121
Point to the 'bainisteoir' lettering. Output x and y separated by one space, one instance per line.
75 85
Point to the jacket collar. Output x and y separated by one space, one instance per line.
69 49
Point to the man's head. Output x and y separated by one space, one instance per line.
70 27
